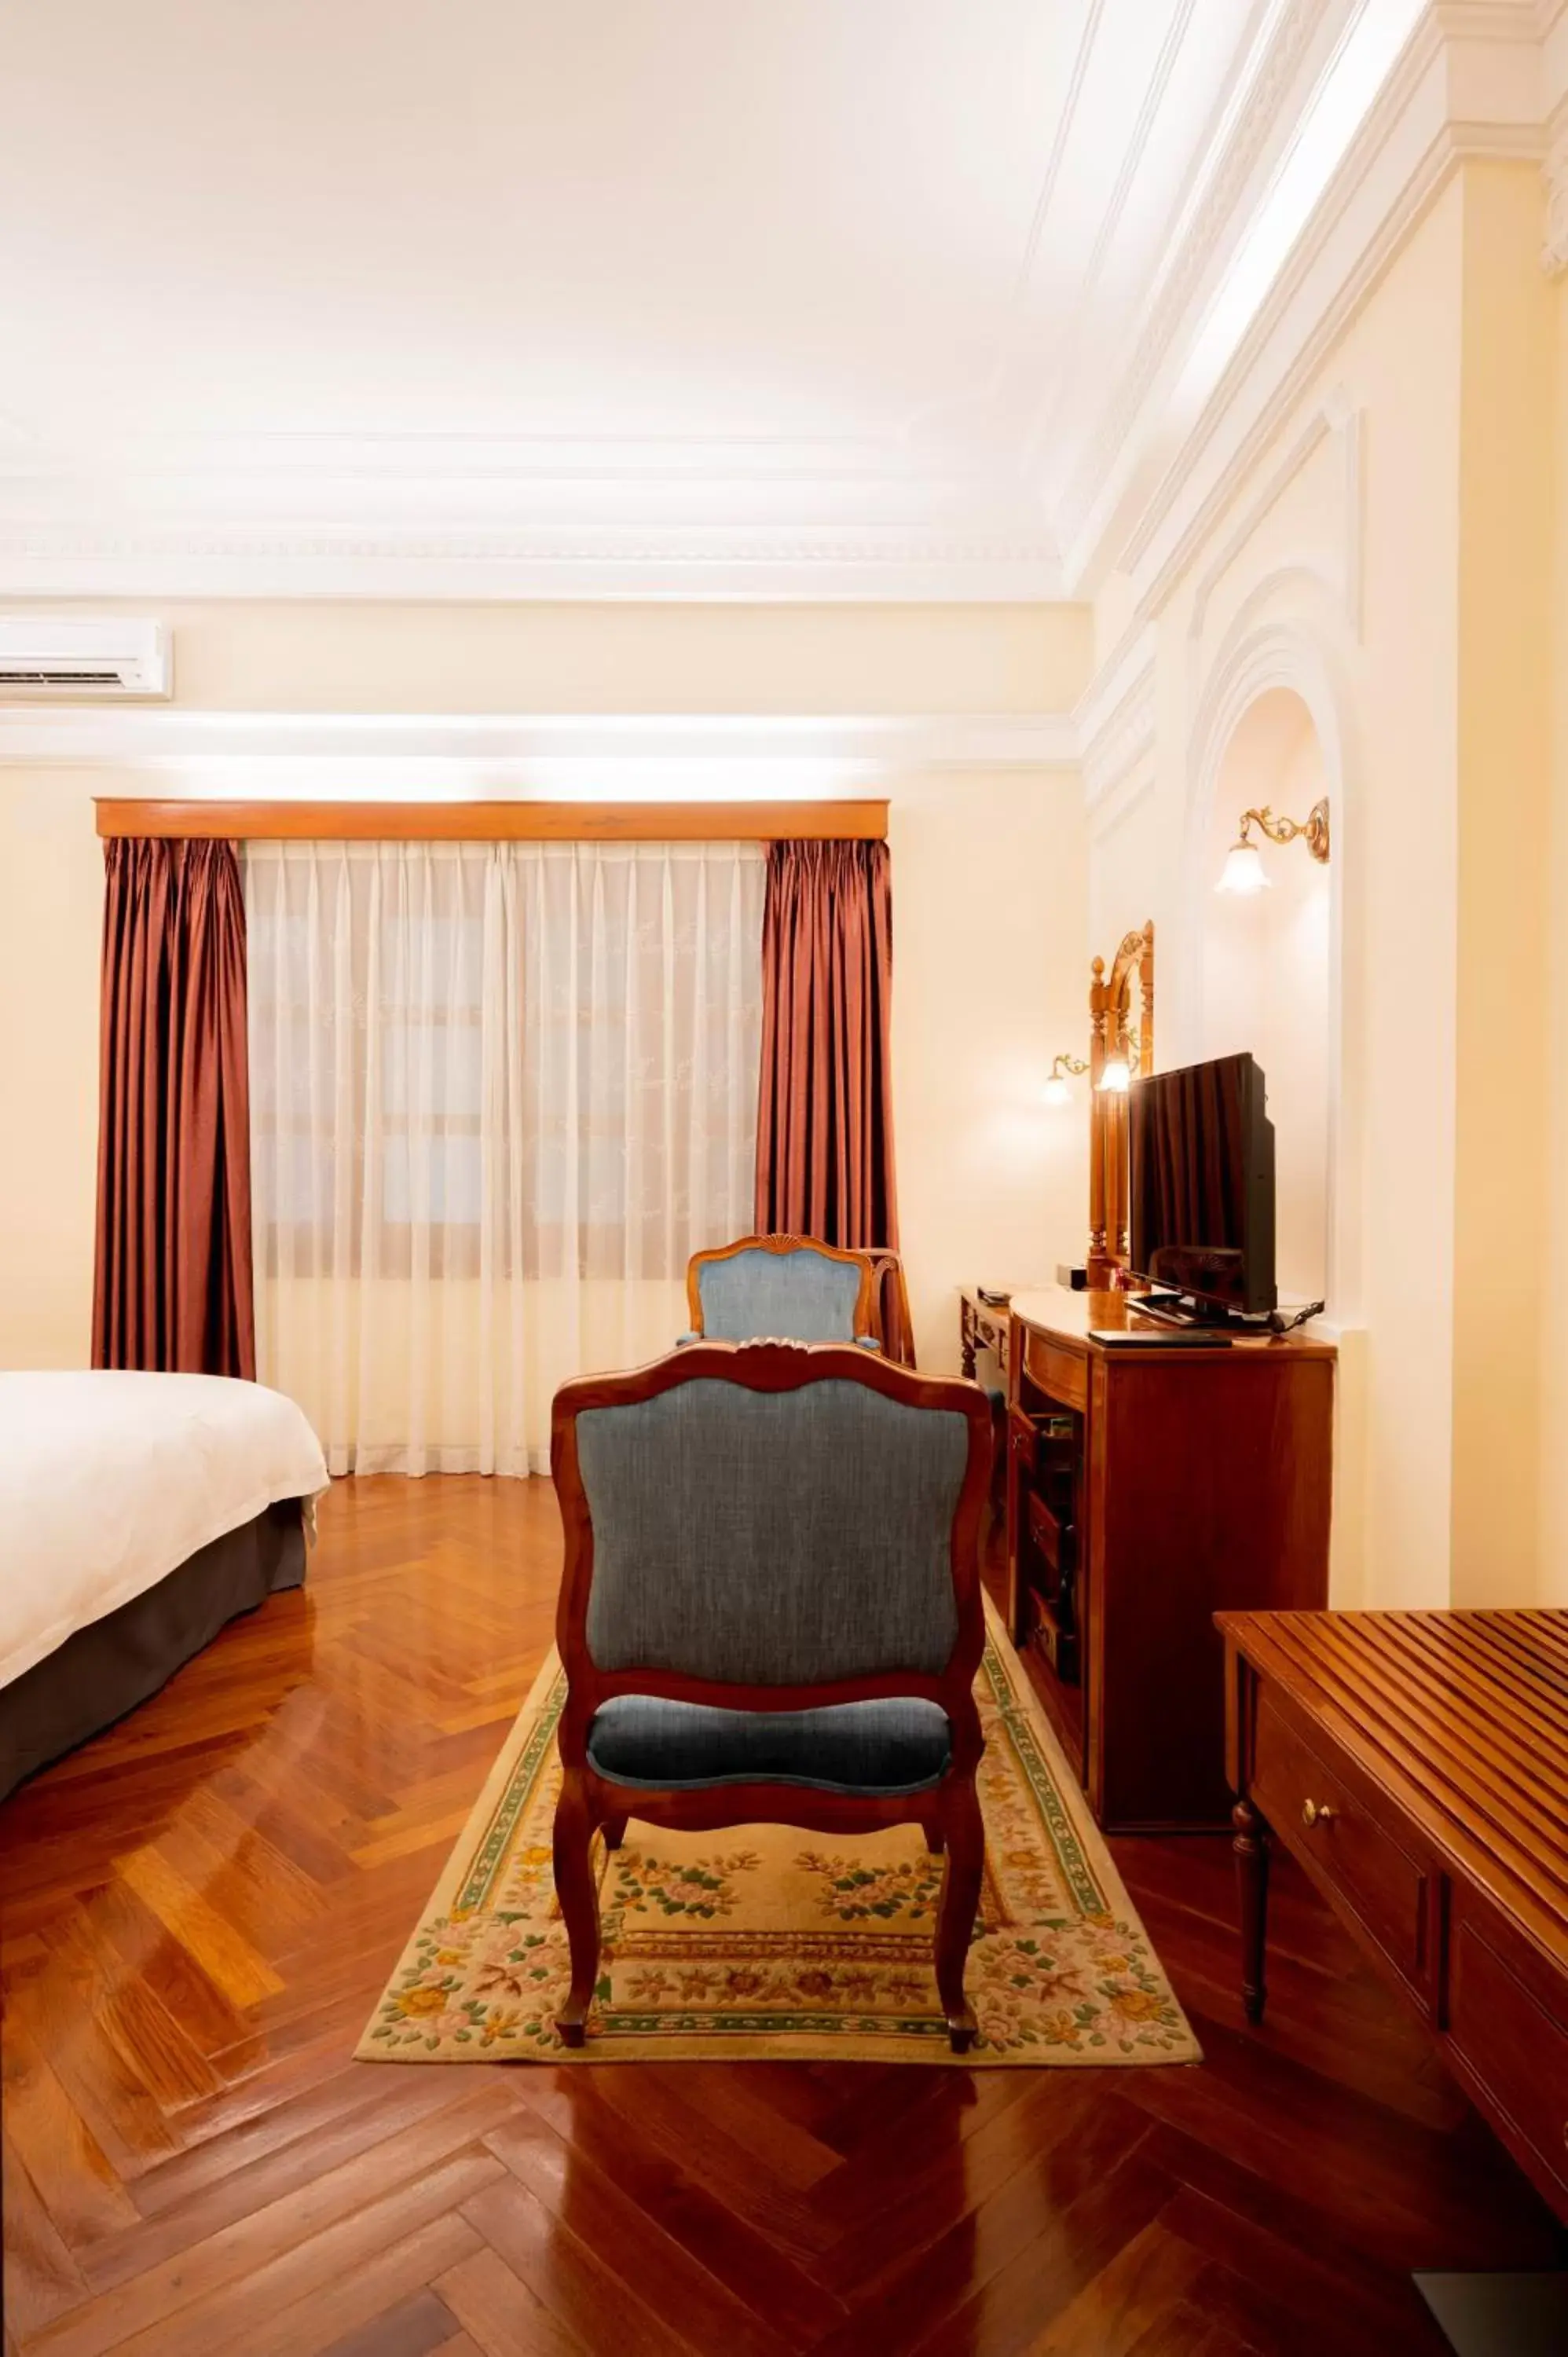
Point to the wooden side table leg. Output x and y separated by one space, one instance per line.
1251 1847
966 1342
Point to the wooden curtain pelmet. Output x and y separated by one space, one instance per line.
498 822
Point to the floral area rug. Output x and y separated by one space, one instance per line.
765 1943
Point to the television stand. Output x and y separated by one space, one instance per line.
1150 1485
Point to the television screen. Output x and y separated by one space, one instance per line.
1201 1213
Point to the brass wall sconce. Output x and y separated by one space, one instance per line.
1056 1090
1244 872
1117 1072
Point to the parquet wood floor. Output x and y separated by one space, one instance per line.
199 1909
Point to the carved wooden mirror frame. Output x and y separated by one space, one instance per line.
1112 1034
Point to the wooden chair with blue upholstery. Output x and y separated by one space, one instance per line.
770 1613
789 1288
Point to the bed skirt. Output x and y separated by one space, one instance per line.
107 1668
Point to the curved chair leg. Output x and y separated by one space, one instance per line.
578 1894
613 1832
960 1903
935 1839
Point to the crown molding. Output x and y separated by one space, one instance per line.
1408 149
628 756
677 563
1195 256
1053 403
1474 79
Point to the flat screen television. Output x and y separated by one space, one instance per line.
1202 1177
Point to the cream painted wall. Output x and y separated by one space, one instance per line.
1266 975
390 657
1409 602
990 980
1354 603
51 896
1553 1476
989 881
1505 823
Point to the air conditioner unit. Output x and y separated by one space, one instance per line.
44 657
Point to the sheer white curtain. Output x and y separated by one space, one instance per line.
498 1093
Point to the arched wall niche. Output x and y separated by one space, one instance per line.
1272 974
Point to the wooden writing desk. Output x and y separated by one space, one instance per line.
1416 1763
981 1325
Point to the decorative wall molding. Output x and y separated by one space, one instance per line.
670 756
1111 741
1554 172
1111 813
1336 421
1123 739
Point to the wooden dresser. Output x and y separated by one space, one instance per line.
1416 1763
1149 1486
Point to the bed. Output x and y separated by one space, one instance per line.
138 1513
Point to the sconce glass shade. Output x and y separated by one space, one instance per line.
1116 1079
1243 872
1057 1092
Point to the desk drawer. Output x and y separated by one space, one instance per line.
1061 1374
1510 2043
1044 1445
1056 1539
1322 1812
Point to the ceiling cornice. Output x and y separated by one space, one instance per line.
786 565
1426 123
1422 128
1483 75
1198 252
879 518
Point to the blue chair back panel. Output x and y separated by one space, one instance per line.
772 1538
797 1297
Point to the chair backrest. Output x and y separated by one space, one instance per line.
771 1516
893 1323
788 1287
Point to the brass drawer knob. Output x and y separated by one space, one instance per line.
1317 1813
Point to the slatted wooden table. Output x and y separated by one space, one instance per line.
1416 1763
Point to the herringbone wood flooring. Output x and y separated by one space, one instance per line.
200 1908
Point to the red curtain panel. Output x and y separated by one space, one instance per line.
825 1131
172 1290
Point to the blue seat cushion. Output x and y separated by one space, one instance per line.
874 1749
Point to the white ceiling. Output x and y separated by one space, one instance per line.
693 296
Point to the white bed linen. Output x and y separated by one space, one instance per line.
108 1481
